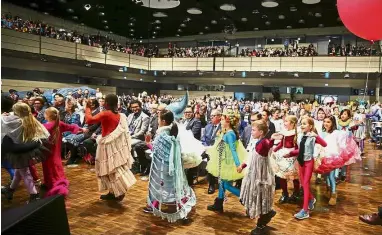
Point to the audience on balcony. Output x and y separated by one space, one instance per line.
352 50
280 52
208 51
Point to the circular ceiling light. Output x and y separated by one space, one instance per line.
293 8
106 27
183 25
157 22
34 5
70 10
101 14
131 34
111 32
311 1
132 19
46 13
131 24
75 17
269 3
268 23
227 7
281 17
131 30
214 22
159 14
244 19
104 21
264 16
289 27
154 32
82 24
158 4
256 29
179 30
201 33
157 27
321 25
62 1
177 35
302 21
153 37
255 11
188 19
207 28
194 11
318 15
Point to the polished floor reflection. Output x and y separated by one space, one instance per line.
88 215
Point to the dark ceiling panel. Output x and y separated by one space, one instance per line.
126 18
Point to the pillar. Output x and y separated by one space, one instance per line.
377 87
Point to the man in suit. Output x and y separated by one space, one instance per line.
138 123
193 124
266 114
208 139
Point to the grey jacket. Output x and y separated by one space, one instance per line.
141 125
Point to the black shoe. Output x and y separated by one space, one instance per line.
148 209
211 189
343 178
8 192
258 230
108 196
34 197
70 161
294 198
120 198
217 206
283 199
268 217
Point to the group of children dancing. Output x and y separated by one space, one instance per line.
326 145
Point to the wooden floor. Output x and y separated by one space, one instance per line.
88 215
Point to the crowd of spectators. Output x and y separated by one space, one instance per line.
208 51
352 50
102 41
280 52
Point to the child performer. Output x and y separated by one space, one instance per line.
226 156
306 142
170 196
113 157
258 186
360 133
23 145
286 167
54 175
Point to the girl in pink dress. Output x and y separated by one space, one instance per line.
54 176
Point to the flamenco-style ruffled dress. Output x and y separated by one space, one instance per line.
113 156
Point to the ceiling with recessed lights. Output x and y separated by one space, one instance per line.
169 18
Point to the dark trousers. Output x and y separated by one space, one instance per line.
191 175
91 146
73 152
144 163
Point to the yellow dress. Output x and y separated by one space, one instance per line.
227 163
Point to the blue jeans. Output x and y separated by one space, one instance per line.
331 180
8 167
227 185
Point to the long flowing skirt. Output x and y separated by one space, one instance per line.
114 161
286 168
258 187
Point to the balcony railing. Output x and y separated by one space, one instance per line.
41 45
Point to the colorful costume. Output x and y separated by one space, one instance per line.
54 175
113 157
258 186
170 197
341 150
360 132
285 168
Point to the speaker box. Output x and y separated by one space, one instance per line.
45 216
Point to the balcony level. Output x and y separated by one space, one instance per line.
18 41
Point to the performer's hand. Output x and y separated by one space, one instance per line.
286 155
85 130
277 136
239 169
94 136
313 134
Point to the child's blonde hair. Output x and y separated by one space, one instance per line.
311 123
293 119
261 125
54 115
32 129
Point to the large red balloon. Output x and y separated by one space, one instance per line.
362 17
